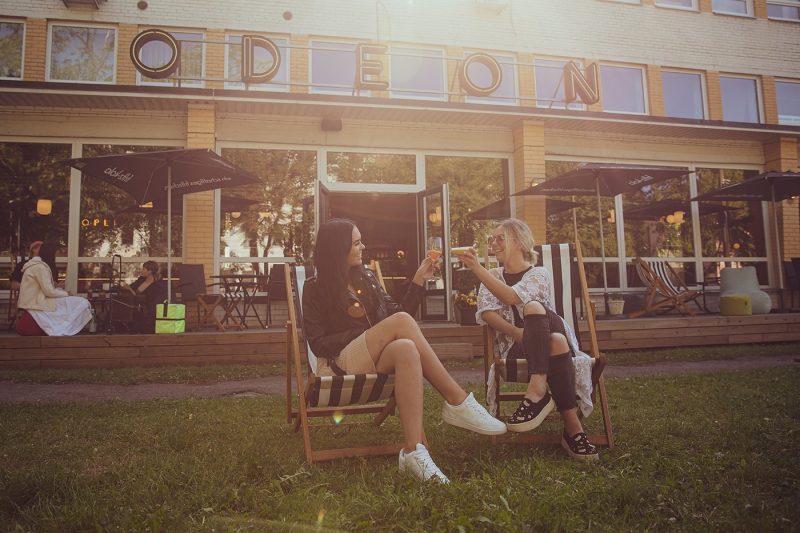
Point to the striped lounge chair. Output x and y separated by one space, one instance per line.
665 289
565 262
329 396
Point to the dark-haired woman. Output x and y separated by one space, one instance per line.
53 310
352 323
151 290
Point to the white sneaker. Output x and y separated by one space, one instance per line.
472 416
420 465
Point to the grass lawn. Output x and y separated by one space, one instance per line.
198 374
697 452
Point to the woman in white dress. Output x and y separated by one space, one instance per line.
53 309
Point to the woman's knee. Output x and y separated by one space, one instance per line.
558 344
402 349
534 308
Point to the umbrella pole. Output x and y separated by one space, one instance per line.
169 233
574 221
777 242
602 245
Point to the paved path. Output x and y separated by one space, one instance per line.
75 392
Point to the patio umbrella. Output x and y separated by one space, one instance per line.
768 187
148 176
229 204
661 208
603 179
500 209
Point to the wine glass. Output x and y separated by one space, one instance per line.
435 253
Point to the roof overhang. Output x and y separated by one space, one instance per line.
147 98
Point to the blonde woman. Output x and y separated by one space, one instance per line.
516 300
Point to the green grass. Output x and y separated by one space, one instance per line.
700 353
710 452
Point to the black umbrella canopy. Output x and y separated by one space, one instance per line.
144 175
607 179
500 209
660 208
784 184
229 205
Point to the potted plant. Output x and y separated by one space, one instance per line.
466 306
616 303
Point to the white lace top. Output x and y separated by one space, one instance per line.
536 285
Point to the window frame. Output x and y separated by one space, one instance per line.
191 84
786 3
750 13
78 24
398 93
22 48
272 87
759 96
693 8
578 106
645 98
703 88
502 59
793 82
313 89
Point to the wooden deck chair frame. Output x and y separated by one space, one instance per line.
552 256
665 290
322 396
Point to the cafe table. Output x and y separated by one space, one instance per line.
240 291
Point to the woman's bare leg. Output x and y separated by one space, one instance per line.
403 326
401 358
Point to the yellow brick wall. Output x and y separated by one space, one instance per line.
526 82
760 8
126 73
35 49
655 90
453 83
198 215
782 155
770 99
215 59
705 6
528 160
714 95
298 66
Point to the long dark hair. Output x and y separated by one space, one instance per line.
334 240
153 268
47 253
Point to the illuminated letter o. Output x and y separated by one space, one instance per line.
164 70
494 70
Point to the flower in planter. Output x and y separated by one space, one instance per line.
467 299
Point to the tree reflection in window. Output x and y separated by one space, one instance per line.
11 49
82 54
106 231
29 172
351 167
280 223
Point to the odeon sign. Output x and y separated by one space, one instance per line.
369 67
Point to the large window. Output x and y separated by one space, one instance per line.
274 219
788 96
623 89
111 221
784 9
353 167
739 99
683 94
12 37
34 193
262 62
189 73
417 73
681 4
733 7
549 78
333 67
82 54
506 93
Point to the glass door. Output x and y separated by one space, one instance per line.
434 239
323 211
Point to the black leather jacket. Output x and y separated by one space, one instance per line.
329 326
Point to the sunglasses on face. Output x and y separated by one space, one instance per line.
499 239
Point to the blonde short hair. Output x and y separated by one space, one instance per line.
515 229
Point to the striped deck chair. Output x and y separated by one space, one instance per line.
665 289
326 396
565 262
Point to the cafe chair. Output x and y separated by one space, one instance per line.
665 289
329 396
194 290
276 288
565 263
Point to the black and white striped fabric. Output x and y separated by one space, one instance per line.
562 263
336 391
663 271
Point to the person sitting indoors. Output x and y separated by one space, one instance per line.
49 310
151 290
353 324
16 274
517 302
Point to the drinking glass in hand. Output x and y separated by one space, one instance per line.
435 253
